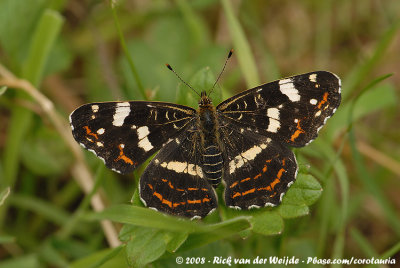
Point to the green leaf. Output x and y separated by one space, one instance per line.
176 241
267 223
14 33
145 245
302 194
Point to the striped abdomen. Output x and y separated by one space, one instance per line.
212 164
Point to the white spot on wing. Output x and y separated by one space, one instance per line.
95 108
183 167
246 156
318 113
313 78
100 131
287 87
273 113
142 132
273 125
313 101
145 144
121 112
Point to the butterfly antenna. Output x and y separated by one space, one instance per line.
177 75
223 68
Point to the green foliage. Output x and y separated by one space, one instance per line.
344 202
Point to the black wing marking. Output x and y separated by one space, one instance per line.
124 134
290 110
174 181
258 170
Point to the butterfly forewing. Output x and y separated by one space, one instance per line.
290 110
124 134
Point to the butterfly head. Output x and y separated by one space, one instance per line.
204 99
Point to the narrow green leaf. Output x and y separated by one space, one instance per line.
360 72
43 39
140 216
242 46
38 206
126 52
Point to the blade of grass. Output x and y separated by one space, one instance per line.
41 207
360 72
363 243
370 183
196 25
126 52
242 47
73 221
43 39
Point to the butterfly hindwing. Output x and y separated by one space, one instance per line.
258 170
174 181
124 134
290 110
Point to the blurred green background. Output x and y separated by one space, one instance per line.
79 51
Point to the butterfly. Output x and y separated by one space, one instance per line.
243 142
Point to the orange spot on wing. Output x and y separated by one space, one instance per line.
178 204
249 191
159 196
204 189
181 190
168 203
150 186
297 132
164 180
280 172
324 99
193 189
206 200
236 195
247 179
89 132
198 201
233 184
123 157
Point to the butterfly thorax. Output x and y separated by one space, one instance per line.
208 126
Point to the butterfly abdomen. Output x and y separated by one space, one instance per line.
212 156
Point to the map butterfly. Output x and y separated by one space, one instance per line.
244 142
